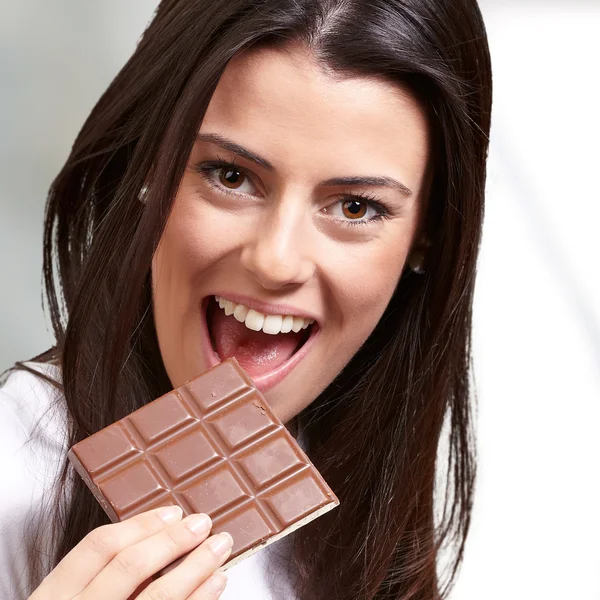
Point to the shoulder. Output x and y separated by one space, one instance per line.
32 446
25 396
23 392
30 406
32 433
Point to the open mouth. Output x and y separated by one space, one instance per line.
266 357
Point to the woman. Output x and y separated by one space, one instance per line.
319 166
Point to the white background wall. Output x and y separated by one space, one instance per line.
536 527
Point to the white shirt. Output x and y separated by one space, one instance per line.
30 460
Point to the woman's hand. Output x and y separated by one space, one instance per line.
112 561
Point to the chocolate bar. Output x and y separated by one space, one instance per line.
214 446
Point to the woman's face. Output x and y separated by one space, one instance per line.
281 232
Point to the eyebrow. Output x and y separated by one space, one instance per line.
379 181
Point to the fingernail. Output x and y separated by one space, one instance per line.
170 514
198 523
221 544
218 582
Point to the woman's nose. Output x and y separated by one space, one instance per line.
278 252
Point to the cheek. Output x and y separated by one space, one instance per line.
196 236
190 238
365 283
366 280
189 244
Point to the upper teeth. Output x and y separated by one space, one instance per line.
256 321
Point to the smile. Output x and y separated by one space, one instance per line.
267 346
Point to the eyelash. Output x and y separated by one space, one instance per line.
205 169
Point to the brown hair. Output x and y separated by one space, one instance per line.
374 432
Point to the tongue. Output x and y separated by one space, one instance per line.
257 352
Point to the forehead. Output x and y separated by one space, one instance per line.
283 106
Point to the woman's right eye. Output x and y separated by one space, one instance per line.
225 177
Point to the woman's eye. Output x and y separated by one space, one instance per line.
357 210
226 178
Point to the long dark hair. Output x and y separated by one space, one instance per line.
375 433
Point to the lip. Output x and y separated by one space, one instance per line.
268 380
266 308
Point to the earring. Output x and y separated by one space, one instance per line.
416 262
143 193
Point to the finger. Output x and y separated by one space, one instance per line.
87 559
211 589
140 588
194 571
138 562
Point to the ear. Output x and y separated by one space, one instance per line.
423 241
417 258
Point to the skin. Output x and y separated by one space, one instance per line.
284 238
118 561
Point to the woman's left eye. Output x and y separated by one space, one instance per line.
357 209
353 209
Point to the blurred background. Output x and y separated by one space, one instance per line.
536 523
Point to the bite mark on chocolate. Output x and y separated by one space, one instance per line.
259 405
